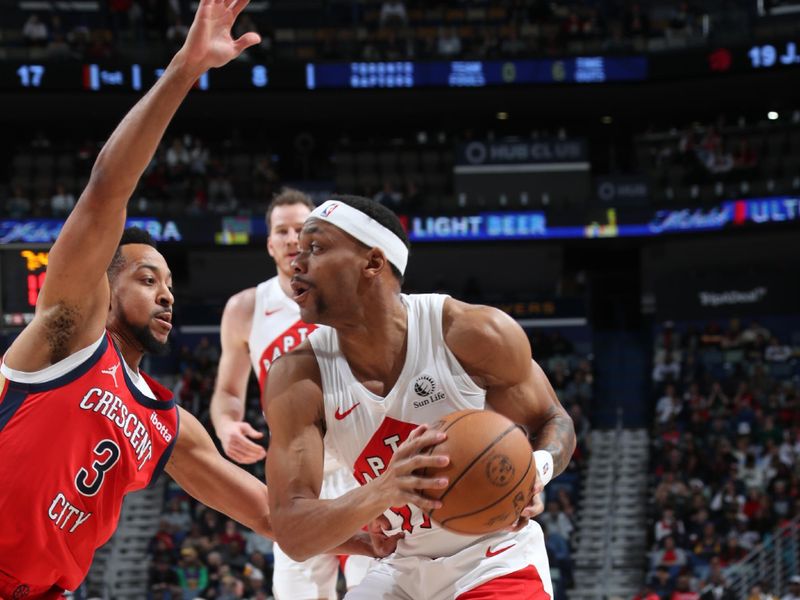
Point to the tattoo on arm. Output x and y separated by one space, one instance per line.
557 436
59 329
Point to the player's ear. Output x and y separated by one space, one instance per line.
376 262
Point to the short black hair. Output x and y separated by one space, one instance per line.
381 214
131 235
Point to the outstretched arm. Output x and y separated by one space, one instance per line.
71 311
230 390
205 474
492 347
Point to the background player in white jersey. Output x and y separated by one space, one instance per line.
258 325
350 390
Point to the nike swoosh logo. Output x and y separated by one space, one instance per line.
490 554
341 415
272 312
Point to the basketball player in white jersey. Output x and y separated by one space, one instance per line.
350 390
258 325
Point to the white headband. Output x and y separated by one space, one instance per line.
365 229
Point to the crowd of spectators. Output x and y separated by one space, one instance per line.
198 553
726 452
378 30
187 176
569 370
756 156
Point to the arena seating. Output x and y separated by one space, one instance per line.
725 448
689 165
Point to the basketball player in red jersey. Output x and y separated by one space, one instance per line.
258 326
80 425
353 389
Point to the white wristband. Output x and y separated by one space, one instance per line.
544 465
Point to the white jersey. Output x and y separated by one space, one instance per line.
363 429
277 329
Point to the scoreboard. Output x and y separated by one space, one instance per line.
22 275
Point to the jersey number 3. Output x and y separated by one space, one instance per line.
108 454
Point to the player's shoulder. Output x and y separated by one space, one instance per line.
467 323
241 303
298 367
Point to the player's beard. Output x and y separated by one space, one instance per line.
147 340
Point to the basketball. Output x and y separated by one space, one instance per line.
491 472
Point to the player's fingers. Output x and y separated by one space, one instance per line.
237 6
423 440
415 433
426 504
247 450
248 39
422 461
424 483
249 431
521 523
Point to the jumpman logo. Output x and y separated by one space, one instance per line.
113 372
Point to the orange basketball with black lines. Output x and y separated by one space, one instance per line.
491 472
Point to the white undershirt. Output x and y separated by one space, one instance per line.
65 366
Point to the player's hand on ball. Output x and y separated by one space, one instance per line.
534 508
401 483
234 438
383 544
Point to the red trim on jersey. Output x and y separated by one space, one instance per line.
284 342
342 560
524 584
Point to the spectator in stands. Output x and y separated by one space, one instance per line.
681 21
192 574
760 592
669 370
388 196
777 352
62 202
176 515
177 157
579 390
231 588
793 593
393 14
231 535
449 43
668 525
669 406
556 521
162 583
683 590
18 204
661 582
35 31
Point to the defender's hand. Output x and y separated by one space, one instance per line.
209 43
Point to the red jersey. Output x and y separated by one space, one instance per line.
70 449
